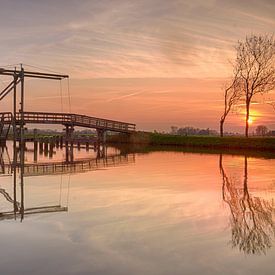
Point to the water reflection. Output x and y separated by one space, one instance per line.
18 169
251 218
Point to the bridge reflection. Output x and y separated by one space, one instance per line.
18 169
251 220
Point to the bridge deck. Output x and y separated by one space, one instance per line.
69 119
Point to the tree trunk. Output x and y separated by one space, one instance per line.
247 118
221 127
220 164
245 186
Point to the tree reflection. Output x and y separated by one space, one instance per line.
251 218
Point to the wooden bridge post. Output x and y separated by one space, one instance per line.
51 148
101 136
35 145
67 154
101 151
22 123
61 142
69 134
57 141
72 152
87 146
69 140
40 147
14 108
46 148
14 166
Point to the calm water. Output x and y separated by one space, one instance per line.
155 213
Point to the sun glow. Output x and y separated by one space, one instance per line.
250 121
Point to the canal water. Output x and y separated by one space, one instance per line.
155 212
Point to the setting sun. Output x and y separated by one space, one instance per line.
250 120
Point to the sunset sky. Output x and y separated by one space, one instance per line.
156 63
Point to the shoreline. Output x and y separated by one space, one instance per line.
266 144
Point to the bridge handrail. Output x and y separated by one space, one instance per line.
74 115
76 118
43 115
105 119
99 122
67 118
6 117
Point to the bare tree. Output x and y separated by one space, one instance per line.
232 94
272 104
255 61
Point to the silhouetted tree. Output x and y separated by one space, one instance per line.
255 62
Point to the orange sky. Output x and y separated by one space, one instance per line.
154 63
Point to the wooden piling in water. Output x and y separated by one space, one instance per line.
40 147
87 146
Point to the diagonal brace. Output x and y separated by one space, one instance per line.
9 88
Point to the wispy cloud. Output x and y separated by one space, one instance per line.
124 96
121 38
133 55
47 97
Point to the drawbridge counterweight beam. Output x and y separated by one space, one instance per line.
33 74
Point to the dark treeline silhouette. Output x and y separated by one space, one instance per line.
191 131
262 130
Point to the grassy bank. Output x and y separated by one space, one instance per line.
252 143
146 149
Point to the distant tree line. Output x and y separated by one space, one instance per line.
191 131
262 130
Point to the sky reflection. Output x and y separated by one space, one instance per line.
165 213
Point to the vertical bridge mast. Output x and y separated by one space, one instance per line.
19 77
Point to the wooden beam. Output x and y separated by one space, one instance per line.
32 74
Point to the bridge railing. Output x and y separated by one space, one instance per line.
6 117
73 119
103 123
41 117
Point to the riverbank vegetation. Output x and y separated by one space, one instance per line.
214 142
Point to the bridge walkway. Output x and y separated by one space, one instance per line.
67 119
